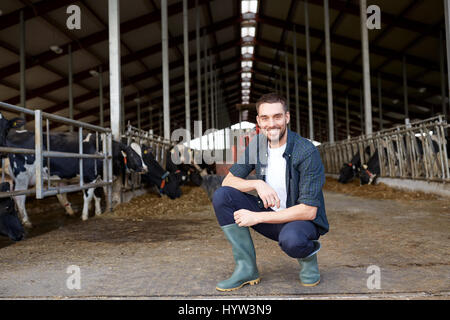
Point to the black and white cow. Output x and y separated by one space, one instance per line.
351 169
125 158
23 166
371 170
10 225
166 182
185 171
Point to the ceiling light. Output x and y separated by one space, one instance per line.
249 6
247 50
245 102
56 49
422 90
246 75
245 92
93 73
248 32
247 64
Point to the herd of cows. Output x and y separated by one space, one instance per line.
370 171
125 158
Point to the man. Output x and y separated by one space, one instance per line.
290 208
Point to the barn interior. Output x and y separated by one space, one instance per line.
158 66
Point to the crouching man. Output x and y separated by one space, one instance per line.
290 208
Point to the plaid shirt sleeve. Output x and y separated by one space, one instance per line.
312 179
243 167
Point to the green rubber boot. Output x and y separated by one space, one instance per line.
309 273
245 271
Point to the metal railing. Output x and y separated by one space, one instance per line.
412 151
40 153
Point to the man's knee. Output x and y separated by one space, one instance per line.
222 195
295 245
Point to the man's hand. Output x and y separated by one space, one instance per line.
267 194
246 218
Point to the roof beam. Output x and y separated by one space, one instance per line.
349 42
386 18
39 8
97 37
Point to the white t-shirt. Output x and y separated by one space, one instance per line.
276 174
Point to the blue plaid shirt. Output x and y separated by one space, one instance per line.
304 172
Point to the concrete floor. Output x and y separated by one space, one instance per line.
184 256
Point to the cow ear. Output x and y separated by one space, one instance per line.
16 123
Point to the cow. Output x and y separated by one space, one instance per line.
185 171
370 171
125 158
351 169
22 166
10 225
166 182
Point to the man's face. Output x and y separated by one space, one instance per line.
273 120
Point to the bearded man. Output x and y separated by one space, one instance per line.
289 208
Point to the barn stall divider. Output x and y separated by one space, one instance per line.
417 150
41 191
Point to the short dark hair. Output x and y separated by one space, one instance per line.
271 97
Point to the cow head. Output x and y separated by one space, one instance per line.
139 165
195 177
10 225
347 172
128 157
6 125
366 176
166 182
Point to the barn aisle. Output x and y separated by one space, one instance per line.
181 253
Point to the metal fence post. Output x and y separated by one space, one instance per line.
38 142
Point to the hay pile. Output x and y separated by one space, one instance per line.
151 205
378 191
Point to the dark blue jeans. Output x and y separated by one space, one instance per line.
294 238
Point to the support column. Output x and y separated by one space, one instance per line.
199 71
288 96
23 92
114 67
442 71
380 102
447 41
366 68
138 103
150 109
405 90
186 66
297 99
70 85
205 61
347 118
122 112
329 76
165 67
100 94
211 81
308 75
115 93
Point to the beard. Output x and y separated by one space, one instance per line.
275 137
